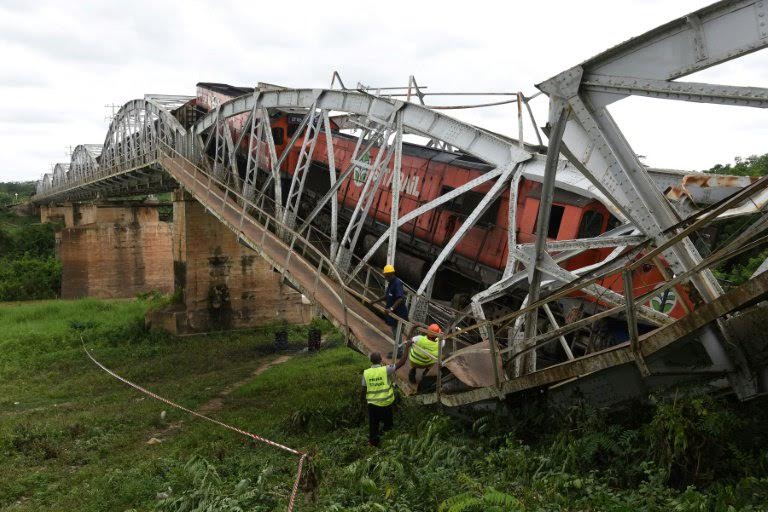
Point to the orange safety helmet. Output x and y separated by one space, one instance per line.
434 328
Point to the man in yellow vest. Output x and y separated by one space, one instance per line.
379 393
423 351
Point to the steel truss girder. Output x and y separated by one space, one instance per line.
331 195
645 66
547 265
559 113
415 119
395 189
681 91
83 163
468 223
332 182
592 135
374 176
124 129
512 279
129 143
421 210
714 34
671 51
591 243
296 190
465 137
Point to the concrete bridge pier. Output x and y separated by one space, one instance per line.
221 284
124 248
112 249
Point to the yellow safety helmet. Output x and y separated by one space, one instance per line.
389 269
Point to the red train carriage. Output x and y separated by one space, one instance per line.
428 173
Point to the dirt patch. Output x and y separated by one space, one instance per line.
215 404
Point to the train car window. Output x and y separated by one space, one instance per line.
317 179
555 218
613 222
465 203
277 135
591 224
293 123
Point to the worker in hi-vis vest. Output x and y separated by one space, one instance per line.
423 351
379 393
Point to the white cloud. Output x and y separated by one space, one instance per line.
63 61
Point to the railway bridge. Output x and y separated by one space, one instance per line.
609 313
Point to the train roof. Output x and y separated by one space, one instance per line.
229 90
437 155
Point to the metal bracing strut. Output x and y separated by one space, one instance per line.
302 167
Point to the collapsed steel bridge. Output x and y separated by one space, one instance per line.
154 145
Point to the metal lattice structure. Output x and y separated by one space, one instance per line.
229 161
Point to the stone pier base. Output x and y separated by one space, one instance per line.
112 250
120 250
222 284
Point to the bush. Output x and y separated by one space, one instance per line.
29 239
28 267
738 270
205 489
29 277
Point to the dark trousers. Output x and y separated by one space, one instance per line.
378 415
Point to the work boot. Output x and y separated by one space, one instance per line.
412 376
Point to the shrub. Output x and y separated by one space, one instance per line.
29 277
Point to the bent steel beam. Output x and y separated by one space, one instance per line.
416 118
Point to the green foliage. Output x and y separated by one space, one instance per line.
738 270
205 489
28 267
19 237
751 166
34 335
29 277
9 190
72 438
490 501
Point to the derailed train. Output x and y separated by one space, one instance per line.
427 173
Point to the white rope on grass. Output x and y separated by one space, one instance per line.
302 455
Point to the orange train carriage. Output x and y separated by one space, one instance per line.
427 173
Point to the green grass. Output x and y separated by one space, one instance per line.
73 438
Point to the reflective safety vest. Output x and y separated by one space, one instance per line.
378 389
423 352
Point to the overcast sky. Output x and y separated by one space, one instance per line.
62 62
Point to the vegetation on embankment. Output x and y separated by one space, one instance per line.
13 192
73 438
28 265
740 269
